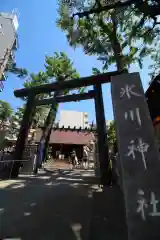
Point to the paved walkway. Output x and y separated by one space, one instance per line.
60 205
60 164
55 205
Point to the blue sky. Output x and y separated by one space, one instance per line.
38 36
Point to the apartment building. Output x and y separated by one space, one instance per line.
73 119
8 40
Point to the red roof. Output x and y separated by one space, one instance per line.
68 137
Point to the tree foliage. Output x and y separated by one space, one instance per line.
109 35
16 119
58 68
155 67
36 79
12 68
5 113
147 9
111 132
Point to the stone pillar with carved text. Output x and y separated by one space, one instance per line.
139 157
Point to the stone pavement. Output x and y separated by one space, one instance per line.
54 205
58 164
63 164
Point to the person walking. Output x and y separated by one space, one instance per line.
74 159
39 158
85 156
41 152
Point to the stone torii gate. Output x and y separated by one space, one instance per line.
96 94
138 152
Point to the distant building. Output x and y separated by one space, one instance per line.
73 119
8 41
65 140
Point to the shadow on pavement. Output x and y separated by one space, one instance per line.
53 205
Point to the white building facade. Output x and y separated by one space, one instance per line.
108 122
73 119
8 28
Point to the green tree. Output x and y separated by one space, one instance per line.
16 119
147 9
19 114
155 66
111 132
5 113
58 68
14 122
12 68
107 35
36 79
40 111
13 126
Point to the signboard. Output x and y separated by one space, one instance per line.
139 157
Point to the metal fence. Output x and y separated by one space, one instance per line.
7 162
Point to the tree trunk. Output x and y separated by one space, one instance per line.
48 126
116 46
119 59
46 133
47 144
50 119
117 49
